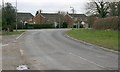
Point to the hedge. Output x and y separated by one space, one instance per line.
39 26
107 23
33 26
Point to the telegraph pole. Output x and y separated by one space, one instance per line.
3 3
16 15
73 10
59 18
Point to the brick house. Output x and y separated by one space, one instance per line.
39 19
45 18
72 18
69 20
51 18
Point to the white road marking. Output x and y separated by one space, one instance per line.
21 51
20 35
4 45
88 60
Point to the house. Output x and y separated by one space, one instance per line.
24 17
57 18
71 19
45 18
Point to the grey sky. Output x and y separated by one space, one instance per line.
49 5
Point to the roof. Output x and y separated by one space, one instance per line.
78 15
24 16
48 15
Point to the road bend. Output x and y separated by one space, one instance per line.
50 49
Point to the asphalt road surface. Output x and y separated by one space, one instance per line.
50 49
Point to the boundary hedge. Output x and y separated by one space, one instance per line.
112 23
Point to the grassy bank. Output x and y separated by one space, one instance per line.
107 39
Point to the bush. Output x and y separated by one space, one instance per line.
64 25
90 21
107 23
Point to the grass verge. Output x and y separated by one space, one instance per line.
11 33
107 39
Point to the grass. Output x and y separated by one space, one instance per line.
11 33
107 39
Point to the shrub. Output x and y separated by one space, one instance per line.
90 21
107 23
65 25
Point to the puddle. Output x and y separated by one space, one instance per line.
22 67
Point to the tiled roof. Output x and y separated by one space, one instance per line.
78 15
47 15
24 16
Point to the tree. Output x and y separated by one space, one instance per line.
61 15
8 17
102 8
91 20
0 17
118 8
114 8
98 7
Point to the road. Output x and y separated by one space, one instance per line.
50 49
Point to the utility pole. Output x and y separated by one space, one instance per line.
59 18
16 15
40 11
2 3
73 11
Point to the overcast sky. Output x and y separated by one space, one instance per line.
49 5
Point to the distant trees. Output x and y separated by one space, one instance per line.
8 17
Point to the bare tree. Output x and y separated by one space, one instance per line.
118 8
61 17
113 9
98 7
90 8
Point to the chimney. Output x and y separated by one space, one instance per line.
58 12
67 13
40 11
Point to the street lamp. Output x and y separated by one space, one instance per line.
73 10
